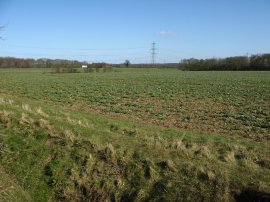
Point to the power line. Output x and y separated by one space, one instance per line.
45 54
110 54
73 49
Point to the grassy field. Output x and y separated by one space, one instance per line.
134 135
234 103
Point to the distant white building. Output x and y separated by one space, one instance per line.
84 66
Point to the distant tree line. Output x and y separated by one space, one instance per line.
11 62
237 63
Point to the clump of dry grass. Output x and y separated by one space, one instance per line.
69 135
130 132
167 165
229 157
83 123
26 107
203 151
79 122
42 123
155 142
5 118
107 153
178 144
10 101
149 171
25 119
248 162
205 174
41 112
53 134
263 162
2 101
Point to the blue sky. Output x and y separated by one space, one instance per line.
115 30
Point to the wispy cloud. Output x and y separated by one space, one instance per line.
166 34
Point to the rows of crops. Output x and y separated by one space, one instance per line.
235 103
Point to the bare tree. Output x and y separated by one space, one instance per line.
127 63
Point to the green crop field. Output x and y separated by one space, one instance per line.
134 135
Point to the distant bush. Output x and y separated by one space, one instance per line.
70 70
89 70
58 69
98 67
107 68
